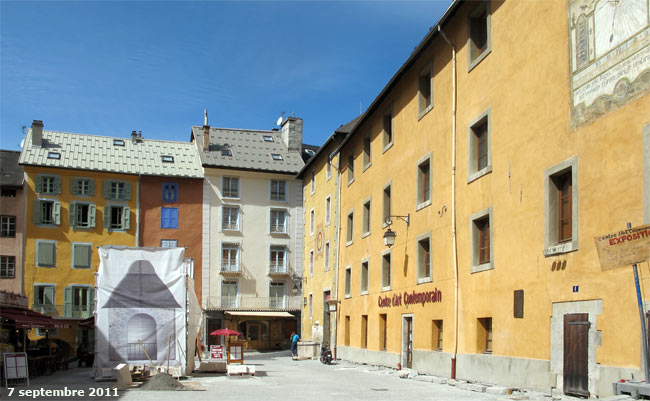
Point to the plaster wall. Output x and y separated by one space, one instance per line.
13 246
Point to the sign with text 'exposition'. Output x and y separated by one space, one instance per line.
623 248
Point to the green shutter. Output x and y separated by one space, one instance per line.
38 184
57 185
67 303
107 216
91 301
72 215
45 254
126 218
74 186
92 212
91 187
127 191
107 189
56 212
48 296
82 256
36 212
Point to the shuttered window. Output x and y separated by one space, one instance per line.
45 253
170 192
48 184
82 215
117 190
169 217
117 217
81 256
46 211
82 187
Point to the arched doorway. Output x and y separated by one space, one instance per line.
141 327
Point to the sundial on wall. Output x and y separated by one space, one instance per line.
616 21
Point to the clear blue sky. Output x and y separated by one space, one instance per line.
109 67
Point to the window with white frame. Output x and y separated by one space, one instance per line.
82 186
7 266
424 182
229 294
425 90
230 218
278 261
348 281
328 210
44 298
46 211
278 221
561 207
82 215
366 218
81 255
364 276
424 258
278 190
479 159
326 257
48 184
117 217
79 301
276 294
230 187
386 271
117 190
168 243
7 226
229 257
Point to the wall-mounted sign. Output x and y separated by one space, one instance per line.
413 298
623 248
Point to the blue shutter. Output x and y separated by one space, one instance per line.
174 218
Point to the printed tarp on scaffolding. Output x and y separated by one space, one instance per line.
142 309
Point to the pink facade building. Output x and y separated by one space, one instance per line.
12 215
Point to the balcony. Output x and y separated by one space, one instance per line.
64 311
288 303
278 269
230 269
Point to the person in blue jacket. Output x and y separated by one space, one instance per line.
294 344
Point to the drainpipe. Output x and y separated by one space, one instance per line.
338 252
137 212
453 198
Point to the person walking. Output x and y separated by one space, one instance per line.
294 344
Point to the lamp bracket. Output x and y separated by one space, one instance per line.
405 219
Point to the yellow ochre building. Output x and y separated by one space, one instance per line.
514 134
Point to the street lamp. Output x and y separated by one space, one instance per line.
389 235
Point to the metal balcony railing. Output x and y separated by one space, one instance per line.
278 268
227 267
67 311
287 303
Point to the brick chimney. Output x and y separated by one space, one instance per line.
37 133
292 133
206 131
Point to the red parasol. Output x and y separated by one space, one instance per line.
225 332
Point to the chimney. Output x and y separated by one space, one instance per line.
134 136
37 133
292 133
206 131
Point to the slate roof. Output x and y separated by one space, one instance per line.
99 153
249 150
11 173
141 288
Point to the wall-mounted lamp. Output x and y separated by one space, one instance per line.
389 235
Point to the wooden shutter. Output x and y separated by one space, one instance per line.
57 185
46 252
38 184
126 218
92 213
67 302
56 212
36 212
127 191
72 215
519 304
48 296
82 255
107 216
107 189
91 301
91 187
74 186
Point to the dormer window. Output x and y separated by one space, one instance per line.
167 159
310 152
268 138
54 155
118 142
276 156
226 152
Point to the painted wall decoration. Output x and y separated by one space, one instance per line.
609 43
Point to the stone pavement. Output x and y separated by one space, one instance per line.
279 378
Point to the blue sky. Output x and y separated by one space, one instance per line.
109 67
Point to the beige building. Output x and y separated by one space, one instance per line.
513 135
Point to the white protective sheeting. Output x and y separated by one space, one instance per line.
194 317
141 308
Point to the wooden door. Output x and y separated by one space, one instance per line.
407 342
576 345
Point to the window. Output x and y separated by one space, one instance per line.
118 142
82 215
226 152
44 299
82 187
229 294
350 167
168 243
7 192
7 266
425 90
312 222
436 335
117 190
348 281
170 192
326 257
229 257
484 335
328 170
386 271
267 138
386 210
561 207
48 184
276 294
364 277
311 306
364 331
45 253
479 159
276 156
278 190
383 331
518 307
328 210
81 256
278 259
230 218
46 212
350 228
7 226
313 182
366 218
311 263
481 246
424 183
424 259
479 34
117 217
169 217
278 221
167 158
347 331
367 155
79 301
387 125
230 187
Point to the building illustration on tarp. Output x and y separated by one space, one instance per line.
142 311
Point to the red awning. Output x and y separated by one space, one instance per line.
28 319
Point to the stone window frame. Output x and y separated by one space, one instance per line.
475 266
388 287
421 278
473 173
348 282
474 60
419 196
425 72
551 245
364 276
366 221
